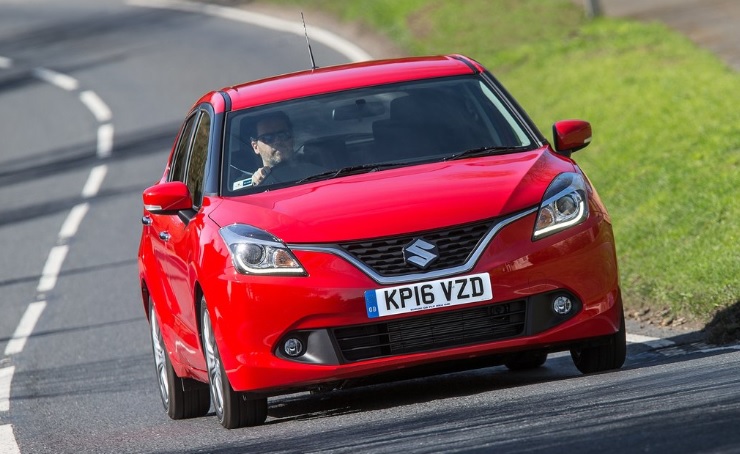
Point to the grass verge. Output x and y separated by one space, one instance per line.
666 147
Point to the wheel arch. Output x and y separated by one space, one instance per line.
145 298
197 302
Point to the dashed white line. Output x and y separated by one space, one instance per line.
52 267
60 80
96 105
6 376
73 221
25 328
94 181
8 444
105 140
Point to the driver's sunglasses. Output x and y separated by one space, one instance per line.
272 137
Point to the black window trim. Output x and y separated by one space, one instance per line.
176 151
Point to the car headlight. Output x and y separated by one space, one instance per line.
254 251
564 205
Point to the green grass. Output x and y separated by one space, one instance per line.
666 123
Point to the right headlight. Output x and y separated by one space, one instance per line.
254 251
564 205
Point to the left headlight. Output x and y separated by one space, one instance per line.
564 205
254 251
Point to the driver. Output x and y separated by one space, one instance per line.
273 142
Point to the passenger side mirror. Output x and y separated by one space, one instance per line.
167 198
571 135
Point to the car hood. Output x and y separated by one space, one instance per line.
402 200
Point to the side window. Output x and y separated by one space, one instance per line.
198 156
179 160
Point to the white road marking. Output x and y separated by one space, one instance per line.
348 49
94 181
653 342
8 444
105 140
52 267
57 255
60 80
96 105
6 377
637 338
73 221
25 328
720 348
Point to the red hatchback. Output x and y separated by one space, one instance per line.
359 220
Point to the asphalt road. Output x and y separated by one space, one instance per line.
92 93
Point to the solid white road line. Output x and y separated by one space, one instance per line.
25 328
73 221
8 444
105 140
653 342
5 62
51 268
94 181
6 376
62 81
348 49
96 105
637 338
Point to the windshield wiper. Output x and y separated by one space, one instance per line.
482 151
344 171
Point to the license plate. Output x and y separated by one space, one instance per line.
428 295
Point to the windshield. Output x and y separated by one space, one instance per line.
364 130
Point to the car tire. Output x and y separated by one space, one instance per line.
233 409
526 361
607 356
182 398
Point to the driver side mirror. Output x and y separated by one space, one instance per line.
167 198
571 135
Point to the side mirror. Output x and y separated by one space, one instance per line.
167 198
571 135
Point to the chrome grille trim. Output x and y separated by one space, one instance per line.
435 274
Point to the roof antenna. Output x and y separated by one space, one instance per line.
310 52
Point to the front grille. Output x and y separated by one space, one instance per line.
420 333
385 255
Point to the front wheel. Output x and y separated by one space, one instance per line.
181 397
233 409
608 356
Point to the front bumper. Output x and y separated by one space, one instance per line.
255 315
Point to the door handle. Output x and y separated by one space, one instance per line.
164 236
146 220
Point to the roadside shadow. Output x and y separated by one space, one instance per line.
158 139
724 328
69 272
362 396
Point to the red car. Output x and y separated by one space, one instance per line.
352 221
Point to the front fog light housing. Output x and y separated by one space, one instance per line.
564 205
293 347
562 305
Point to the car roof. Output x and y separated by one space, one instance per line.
337 78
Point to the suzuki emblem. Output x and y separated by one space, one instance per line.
420 253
